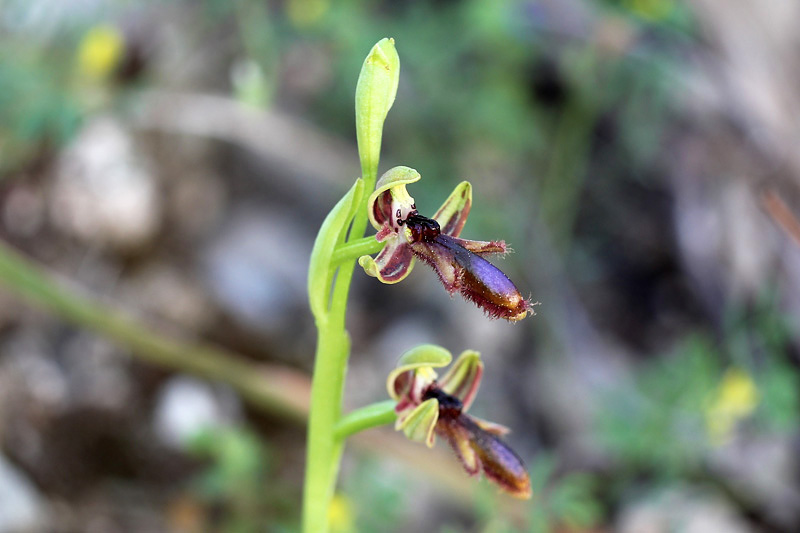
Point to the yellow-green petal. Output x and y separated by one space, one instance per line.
390 193
392 264
423 359
464 377
419 424
453 213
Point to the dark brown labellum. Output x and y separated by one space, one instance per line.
494 457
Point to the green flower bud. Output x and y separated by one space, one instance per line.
375 92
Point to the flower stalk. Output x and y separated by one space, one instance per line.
355 249
328 293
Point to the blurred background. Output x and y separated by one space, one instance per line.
172 161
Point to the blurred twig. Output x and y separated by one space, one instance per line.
777 209
274 389
310 156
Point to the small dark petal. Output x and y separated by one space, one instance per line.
477 448
485 284
499 462
382 208
402 383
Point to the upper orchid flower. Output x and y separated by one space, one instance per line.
426 406
458 262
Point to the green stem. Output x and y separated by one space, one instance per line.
263 389
355 249
323 449
375 92
370 416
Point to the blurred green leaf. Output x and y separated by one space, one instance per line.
331 233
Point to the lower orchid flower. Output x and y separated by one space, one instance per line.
427 407
459 263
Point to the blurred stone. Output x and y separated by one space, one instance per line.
22 509
23 211
561 18
567 388
764 469
186 406
686 510
42 379
103 193
79 369
752 43
728 244
790 287
197 203
169 297
257 267
8 308
750 238
31 372
97 373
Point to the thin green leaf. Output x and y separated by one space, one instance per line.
320 268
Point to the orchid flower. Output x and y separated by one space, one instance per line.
459 263
427 407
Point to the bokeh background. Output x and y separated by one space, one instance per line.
171 163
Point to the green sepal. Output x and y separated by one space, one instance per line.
418 358
375 93
452 215
463 378
419 424
331 233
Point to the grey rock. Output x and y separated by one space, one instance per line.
187 406
256 267
103 192
683 510
22 508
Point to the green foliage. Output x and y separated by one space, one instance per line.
36 110
567 500
760 339
780 397
239 481
559 500
663 14
660 422
378 497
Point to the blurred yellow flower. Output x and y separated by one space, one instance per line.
735 398
304 13
99 51
340 515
